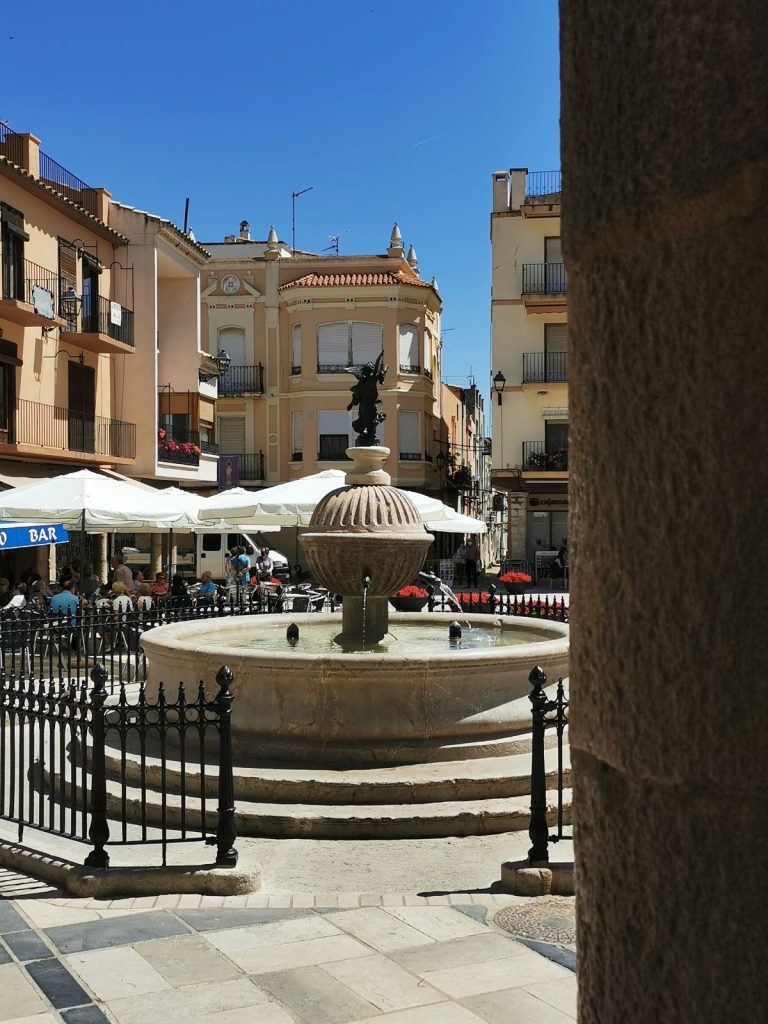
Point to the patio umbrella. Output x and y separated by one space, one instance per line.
292 503
458 523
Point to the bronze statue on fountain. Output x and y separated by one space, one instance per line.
365 396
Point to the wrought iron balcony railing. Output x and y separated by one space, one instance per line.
410 368
251 465
545 367
99 315
242 380
543 185
27 282
537 458
178 446
544 279
51 426
410 456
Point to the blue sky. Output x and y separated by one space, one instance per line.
391 110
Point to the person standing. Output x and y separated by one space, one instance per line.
471 558
121 573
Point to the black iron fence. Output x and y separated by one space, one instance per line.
251 465
179 446
60 741
544 279
543 184
28 282
242 380
11 145
545 367
52 426
546 713
536 457
99 315
68 184
490 602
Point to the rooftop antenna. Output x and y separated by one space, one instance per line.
334 239
186 215
294 197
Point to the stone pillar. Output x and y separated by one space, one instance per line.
664 223
517 502
100 561
156 554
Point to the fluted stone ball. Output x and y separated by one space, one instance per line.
371 530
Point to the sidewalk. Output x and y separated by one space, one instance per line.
311 959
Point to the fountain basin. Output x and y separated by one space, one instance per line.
370 708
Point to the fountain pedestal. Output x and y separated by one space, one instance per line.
365 541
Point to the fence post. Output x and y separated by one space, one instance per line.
430 598
226 833
492 598
538 829
98 832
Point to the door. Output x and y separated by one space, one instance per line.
90 297
554 271
556 352
232 341
556 445
210 554
82 407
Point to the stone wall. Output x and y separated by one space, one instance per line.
665 165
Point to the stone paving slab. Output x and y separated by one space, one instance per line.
389 960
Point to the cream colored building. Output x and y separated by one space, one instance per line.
529 322
290 323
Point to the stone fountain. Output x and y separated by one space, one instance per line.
367 708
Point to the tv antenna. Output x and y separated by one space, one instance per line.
294 197
334 240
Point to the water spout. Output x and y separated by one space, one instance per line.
292 634
454 632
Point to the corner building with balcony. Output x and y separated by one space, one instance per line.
290 323
529 331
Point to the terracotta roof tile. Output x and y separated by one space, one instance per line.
387 277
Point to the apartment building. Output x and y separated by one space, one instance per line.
66 321
529 324
290 322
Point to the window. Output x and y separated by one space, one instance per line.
410 446
231 433
334 435
556 351
297 436
296 349
232 341
211 542
13 238
556 445
554 271
347 344
409 348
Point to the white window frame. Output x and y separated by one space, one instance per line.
337 367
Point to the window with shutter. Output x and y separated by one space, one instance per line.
554 271
296 350
297 436
333 435
409 348
231 433
366 343
332 348
410 446
556 351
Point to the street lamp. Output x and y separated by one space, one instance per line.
498 384
70 303
222 362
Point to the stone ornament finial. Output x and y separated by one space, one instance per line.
411 258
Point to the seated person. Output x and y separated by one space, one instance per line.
179 594
88 583
144 600
138 579
101 598
122 603
207 589
159 586
559 562
66 603
18 598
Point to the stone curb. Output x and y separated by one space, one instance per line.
523 879
130 881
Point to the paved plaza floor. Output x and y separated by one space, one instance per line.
281 959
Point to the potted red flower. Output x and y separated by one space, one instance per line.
515 582
409 599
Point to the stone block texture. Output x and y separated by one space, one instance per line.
665 179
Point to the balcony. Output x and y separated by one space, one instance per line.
545 368
30 293
251 465
413 368
544 279
179 447
542 189
536 458
411 456
242 380
101 326
52 431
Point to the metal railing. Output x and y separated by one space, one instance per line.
251 465
546 713
410 368
491 602
180 447
544 279
545 367
209 448
410 456
97 316
61 743
295 371
51 426
536 457
543 184
335 367
11 145
68 184
22 277
242 380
